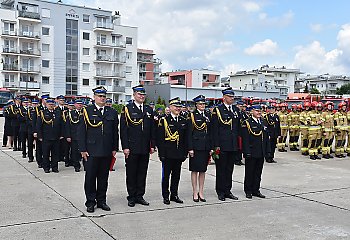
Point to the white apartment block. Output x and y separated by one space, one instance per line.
327 84
266 78
58 48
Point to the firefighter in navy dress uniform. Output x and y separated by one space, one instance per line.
50 131
38 144
172 149
30 116
199 145
225 138
256 147
23 126
137 133
72 123
13 115
98 142
274 130
64 145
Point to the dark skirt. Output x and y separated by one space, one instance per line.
199 162
8 130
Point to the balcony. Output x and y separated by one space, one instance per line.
143 59
157 70
141 69
98 26
116 89
109 74
6 32
108 44
157 61
22 85
110 58
29 34
29 15
30 52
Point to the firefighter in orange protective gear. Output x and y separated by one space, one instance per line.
315 131
328 129
304 128
341 127
283 116
294 128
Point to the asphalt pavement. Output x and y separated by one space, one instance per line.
305 200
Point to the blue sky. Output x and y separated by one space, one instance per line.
232 35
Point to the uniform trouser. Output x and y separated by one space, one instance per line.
39 152
283 138
50 147
30 145
67 153
75 155
23 142
62 149
273 144
16 140
328 134
224 170
304 135
340 141
97 169
315 138
294 132
252 177
4 139
173 167
348 144
136 173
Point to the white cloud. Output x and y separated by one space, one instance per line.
231 69
279 21
251 6
264 48
316 27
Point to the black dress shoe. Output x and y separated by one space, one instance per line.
77 169
330 156
248 195
131 203
90 209
55 170
31 160
259 195
40 166
221 198
273 161
166 201
325 156
104 207
66 164
142 201
46 170
176 199
312 157
231 196
24 156
317 157
201 199
195 199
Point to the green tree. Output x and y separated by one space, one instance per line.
345 89
314 91
159 100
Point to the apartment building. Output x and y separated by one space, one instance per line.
327 84
58 48
196 78
148 66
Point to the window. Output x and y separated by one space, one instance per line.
86 36
9 28
46 31
45 63
45 80
45 47
128 84
86 51
128 55
85 81
100 82
129 40
127 98
86 66
45 13
86 18
128 69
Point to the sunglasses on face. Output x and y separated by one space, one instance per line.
101 96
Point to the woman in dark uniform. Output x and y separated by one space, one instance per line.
199 145
8 133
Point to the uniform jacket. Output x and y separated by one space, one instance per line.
273 125
172 137
137 129
255 139
225 128
72 123
199 131
31 119
22 118
13 115
50 125
98 141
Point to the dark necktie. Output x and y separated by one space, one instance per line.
140 108
176 119
101 111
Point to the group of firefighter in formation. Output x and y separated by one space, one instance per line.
223 135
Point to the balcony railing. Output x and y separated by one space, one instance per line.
157 61
29 69
142 59
30 51
141 69
31 15
10 67
107 26
29 34
110 44
102 73
110 58
9 32
9 50
23 85
116 89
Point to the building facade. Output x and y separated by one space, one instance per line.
327 84
266 78
148 66
196 78
58 49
